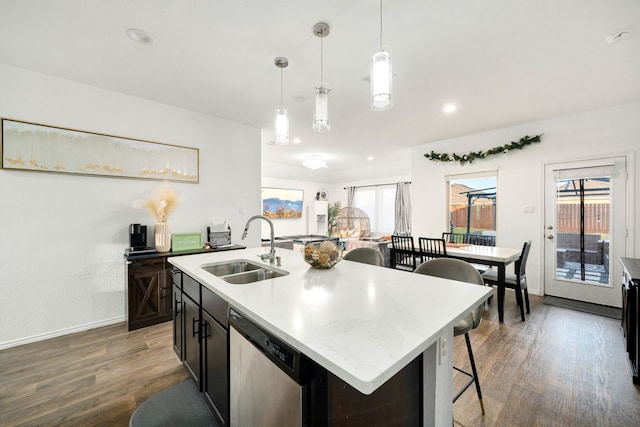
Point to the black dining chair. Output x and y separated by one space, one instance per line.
366 256
481 239
454 237
462 271
404 253
431 248
516 281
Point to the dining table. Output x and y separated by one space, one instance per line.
494 256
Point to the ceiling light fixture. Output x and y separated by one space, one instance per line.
140 36
321 116
282 114
381 76
314 161
449 108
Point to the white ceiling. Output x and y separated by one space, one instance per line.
503 62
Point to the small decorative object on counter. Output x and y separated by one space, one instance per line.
219 234
322 255
162 236
161 205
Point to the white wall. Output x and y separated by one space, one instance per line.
593 134
62 237
336 193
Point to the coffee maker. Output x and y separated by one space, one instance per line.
138 238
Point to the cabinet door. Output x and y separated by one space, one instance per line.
215 381
165 306
177 322
143 295
191 333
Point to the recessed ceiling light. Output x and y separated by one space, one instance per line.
449 108
297 140
370 158
140 36
299 98
616 37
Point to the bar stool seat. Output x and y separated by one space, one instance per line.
180 405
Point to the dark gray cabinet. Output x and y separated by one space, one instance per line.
200 340
630 313
178 338
215 381
191 328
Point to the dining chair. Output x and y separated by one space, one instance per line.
366 256
516 281
431 248
480 239
404 253
454 237
462 271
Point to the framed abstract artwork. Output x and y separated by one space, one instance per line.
43 148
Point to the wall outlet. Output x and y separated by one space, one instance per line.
443 347
529 208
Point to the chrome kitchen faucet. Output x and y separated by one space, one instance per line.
271 256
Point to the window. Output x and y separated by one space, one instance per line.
379 204
472 203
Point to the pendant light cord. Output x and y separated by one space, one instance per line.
321 81
381 25
281 87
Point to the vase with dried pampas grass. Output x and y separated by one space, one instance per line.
161 205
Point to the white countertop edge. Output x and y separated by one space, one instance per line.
292 261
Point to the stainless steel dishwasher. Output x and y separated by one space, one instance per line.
268 379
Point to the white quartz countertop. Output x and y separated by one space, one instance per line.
362 323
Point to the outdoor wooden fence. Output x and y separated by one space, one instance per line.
596 218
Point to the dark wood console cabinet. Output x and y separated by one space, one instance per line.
149 293
630 309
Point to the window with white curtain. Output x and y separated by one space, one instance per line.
378 202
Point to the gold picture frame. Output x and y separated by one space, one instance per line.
45 148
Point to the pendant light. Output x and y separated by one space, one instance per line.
381 76
321 121
282 114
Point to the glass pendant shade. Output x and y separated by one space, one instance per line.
381 81
321 121
282 125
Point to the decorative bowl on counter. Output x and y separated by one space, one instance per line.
323 254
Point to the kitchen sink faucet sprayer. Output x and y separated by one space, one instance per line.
271 256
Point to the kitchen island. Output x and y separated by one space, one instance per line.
363 324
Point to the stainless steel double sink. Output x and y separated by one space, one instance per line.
243 271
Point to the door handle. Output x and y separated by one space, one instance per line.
549 227
550 236
195 332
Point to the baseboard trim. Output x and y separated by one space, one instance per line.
58 333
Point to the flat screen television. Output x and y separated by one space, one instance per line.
282 203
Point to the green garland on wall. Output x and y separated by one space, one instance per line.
473 155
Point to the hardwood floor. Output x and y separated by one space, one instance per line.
559 368
91 378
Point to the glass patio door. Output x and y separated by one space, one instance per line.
585 231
